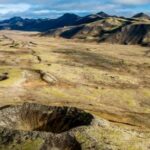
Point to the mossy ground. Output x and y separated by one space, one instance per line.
26 145
111 81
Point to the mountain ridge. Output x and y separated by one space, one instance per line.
112 29
141 15
67 19
98 27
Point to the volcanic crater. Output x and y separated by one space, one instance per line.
35 117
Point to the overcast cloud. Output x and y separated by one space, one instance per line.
55 8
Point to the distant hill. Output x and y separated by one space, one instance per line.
17 23
141 15
131 34
68 19
99 27
92 18
110 29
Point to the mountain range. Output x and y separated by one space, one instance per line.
99 27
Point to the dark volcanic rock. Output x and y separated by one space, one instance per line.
15 139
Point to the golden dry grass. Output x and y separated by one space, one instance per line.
112 81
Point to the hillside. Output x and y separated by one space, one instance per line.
131 34
110 29
68 19
18 23
77 83
141 16
98 27
63 94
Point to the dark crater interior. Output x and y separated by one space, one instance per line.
3 76
36 117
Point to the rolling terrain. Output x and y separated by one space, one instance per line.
99 27
58 93
109 29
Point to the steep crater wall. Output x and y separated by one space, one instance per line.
35 117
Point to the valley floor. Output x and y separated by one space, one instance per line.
110 81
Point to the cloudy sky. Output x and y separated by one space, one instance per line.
55 8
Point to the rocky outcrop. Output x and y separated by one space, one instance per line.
14 139
34 122
41 127
130 34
